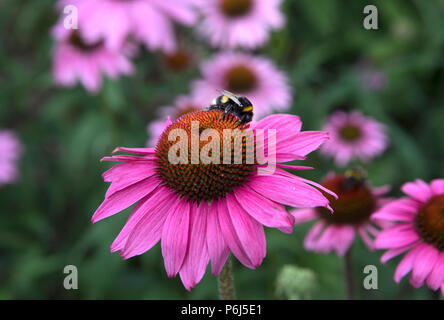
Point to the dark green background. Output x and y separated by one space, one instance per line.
45 217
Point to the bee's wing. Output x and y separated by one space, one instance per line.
232 96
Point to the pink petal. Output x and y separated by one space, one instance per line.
344 237
406 264
391 253
312 236
303 143
365 238
436 276
230 235
265 211
151 212
131 177
423 264
175 236
124 158
287 123
398 236
196 260
250 233
288 191
217 247
122 199
303 215
418 190
399 210
437 186
122 169
144 151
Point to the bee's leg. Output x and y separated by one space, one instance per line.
226 110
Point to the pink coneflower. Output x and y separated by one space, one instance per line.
352 212
354 136
148 21
74 60
419 229
182 105
244 74
10 150
243 23
202 212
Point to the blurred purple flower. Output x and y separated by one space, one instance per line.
74 60
353 209
10 151
371 77
244 23
148 21
354 136
254 77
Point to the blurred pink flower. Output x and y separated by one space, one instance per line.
354 136
148 21
202 212
243 23
244 74
352 212
182 106
371 77
74 60
418 229
10 151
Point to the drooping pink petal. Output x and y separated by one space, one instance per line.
144 224
406 264
424 262
175 236
436 276
217 247
231 237
250 233
365 237
196 260
122 199
344 236
312 236
265 211
418 190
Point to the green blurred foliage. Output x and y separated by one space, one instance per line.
45 217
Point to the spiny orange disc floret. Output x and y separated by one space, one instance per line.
206 181
430 222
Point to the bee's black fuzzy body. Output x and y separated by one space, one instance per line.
241 107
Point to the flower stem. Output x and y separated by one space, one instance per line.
348 274
225 282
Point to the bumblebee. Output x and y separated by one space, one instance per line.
228 102
354 177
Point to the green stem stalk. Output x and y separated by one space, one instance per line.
226 283
348 274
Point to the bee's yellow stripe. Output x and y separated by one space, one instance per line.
247 109
224 99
